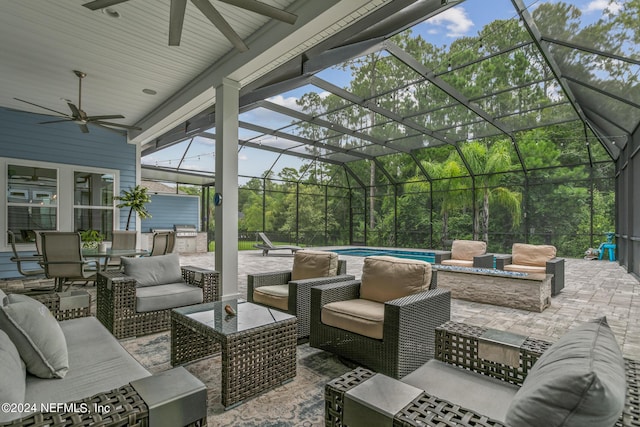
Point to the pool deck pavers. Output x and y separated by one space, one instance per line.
593 288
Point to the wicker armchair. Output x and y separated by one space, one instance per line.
299 291
457 344
467 253
528 258
116 302
407 329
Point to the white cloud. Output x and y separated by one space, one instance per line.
290 102
600 5
455 20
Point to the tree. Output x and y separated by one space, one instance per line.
135 199
487 162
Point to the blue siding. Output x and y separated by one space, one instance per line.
167 210
21 137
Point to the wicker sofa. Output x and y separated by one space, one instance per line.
468 384
138 300
290 290
386 320
527 258
96 382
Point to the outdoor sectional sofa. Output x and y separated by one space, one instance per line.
75 373
487 377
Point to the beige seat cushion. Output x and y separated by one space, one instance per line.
360 316
530 269
308 264
467 249
276 296
457 262
535 255
385 278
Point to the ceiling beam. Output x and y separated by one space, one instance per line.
262 57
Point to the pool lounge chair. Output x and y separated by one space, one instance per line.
268 246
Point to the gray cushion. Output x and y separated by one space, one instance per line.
13 373
153 270
97 363
37 336
162 297
480 393
2 295
579 381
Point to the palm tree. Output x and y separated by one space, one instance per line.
451 191
135 199
487 162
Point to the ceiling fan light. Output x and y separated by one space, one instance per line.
111 12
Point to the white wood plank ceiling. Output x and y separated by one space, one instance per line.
43 41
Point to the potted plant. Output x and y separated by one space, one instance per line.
91 238
135 199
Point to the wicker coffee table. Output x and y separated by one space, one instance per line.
258 345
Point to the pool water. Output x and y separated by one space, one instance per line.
364 252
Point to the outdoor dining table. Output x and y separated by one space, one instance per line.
104 256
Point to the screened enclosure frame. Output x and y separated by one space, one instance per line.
600 108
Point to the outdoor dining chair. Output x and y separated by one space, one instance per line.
163 243
27 265
121 239
63 260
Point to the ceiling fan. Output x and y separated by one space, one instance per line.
79 116
177 10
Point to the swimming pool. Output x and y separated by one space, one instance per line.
364 252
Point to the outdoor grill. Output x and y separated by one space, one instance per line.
185 230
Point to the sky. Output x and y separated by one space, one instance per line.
464 19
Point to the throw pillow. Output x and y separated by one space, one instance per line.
578 382
153 270
309 264
13 374
385 278
37 336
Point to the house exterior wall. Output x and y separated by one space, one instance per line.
22 138
169 209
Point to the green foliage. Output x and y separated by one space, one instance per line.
135 199
543 185
91 238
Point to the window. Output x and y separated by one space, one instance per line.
37 195
93 202
32 200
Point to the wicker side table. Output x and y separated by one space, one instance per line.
258 345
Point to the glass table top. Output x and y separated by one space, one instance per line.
248 315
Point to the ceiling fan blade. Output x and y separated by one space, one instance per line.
118 131
83 128
101 4
176 19
55 121
100 122
113 116
216 19
264 9
74 110
40 106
